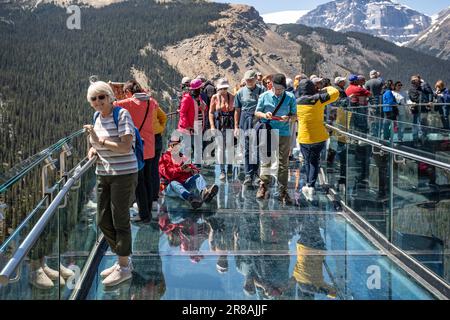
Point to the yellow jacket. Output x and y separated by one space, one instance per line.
310 113
159 121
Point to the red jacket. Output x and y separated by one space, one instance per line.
171 171
189 111
358 95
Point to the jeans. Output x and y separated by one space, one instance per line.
186 189
388 124
311 156
246 123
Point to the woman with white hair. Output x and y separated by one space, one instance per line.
117 169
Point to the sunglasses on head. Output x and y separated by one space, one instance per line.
100 97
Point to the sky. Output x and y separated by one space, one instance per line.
267 6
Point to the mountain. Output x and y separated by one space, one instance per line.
383 18
283 17
329 53
435 40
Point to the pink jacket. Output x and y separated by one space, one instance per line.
189 111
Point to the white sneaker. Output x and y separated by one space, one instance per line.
308 192
119 275
65 272
311 193
40 280
108 271
54 275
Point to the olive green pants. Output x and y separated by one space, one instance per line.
114 197
283 166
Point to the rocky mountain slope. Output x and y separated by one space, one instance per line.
435 40
383 18
241 41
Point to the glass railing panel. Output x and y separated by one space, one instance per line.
422 213
21 187
38 277
78 229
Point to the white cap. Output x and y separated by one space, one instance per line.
316 79
339 79
186 80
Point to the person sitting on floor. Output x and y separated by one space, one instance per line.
183 179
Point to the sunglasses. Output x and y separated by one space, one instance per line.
100 97
399 85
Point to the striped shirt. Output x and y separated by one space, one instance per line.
111 163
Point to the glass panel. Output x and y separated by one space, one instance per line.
78 229
368 170
38 275
258 256
422 214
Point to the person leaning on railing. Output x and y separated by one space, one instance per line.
443 99
117 169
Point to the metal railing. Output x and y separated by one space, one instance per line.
26 166
442 165
39 227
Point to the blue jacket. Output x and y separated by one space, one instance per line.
388 101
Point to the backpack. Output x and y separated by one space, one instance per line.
139 143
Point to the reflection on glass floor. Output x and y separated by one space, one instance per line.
242 248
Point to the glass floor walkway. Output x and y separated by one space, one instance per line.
238 247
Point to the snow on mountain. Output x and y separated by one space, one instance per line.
383 18
435 39
281 17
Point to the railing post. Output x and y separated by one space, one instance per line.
46 189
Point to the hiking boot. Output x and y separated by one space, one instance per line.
222 176
262 192
195 202
65 272
40 280
285 198
248 181
209 193
119 275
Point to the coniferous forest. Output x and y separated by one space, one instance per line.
45 70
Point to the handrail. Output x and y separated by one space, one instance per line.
380 146
40 157
39 227
22 225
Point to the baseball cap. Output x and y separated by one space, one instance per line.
339 79
353 77
279 79
250 74
186 80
